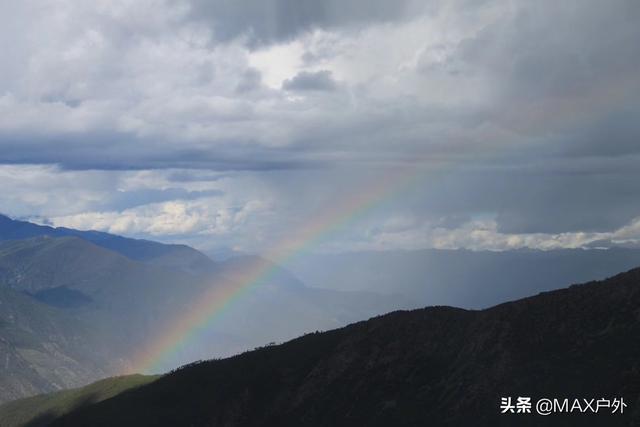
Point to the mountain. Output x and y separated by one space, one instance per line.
68 303
462 278
175 256
439 366
103 289
43 409
98 298
44 349
274 308
42 263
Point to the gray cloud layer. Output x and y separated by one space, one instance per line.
272 21
304 80
525 113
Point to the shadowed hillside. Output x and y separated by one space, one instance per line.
44 349
106 291
39 411
438 366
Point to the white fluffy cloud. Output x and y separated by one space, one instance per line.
482 234
202 217
208 210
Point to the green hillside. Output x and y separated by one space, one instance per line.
40 410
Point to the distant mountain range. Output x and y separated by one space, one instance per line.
462 278
83 303
438 366
80 304
175 256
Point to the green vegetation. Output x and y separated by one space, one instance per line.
40 410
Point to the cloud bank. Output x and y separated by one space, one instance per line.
523 113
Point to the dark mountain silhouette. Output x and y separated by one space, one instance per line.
438 366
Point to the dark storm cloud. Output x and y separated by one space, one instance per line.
271 21
112 151
251 80
304 80
564 77
566 84
569 69
548 196
194 176
614 134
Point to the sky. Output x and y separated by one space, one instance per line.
228 124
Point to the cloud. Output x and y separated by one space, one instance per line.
205 223
251 81
120 200
250 212
148 85
483 234
276 21
317 81
168 205
521 111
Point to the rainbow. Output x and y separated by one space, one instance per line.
212 304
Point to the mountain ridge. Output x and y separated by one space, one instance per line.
106 292
442 365
136 249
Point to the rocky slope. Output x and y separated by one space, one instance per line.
44 349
